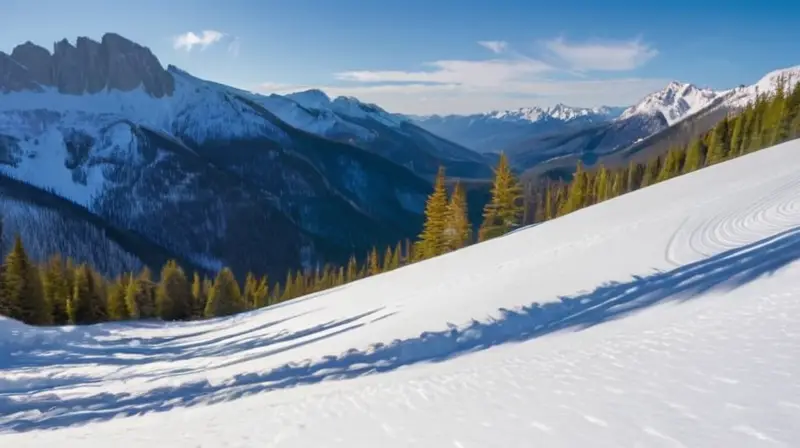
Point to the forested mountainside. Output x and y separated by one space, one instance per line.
209 173
670 117
498 130
61 292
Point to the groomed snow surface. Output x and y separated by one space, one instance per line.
669 317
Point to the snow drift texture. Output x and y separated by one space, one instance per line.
667 317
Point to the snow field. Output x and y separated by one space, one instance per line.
667 317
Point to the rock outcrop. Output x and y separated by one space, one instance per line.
88 67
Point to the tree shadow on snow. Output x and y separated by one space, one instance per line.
725 271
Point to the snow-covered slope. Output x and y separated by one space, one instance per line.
495 130
666 317
393 136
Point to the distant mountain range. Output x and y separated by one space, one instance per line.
494 131
202 171
541 138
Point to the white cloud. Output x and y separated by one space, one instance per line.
508 81
496 46
234 47
470 73
602 56
190 40
416 98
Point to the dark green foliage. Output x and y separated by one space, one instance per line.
86 306
173 298
256 291
432 239
117 309
56 288
458 230
504 212
769 120
22 297
225 297
200 288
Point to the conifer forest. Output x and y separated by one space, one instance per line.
60 292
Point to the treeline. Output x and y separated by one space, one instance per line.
61 292
767 121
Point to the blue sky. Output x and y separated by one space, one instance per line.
439 56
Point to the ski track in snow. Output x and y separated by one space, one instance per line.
669 317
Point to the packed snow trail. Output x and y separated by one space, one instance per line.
664 318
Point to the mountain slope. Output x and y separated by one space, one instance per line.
670 116
491 132
49 224
367 126
665 317
199 168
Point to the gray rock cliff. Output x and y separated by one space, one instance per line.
88 67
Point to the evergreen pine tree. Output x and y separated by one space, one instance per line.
56 289
602 184
299 287
288 290
85 306
503 213
200 288
250 286
694 157
277 294
117 310
352 269
432 240
147 289
374 262
140 296
458 231
132 297
617 183
737 135
577 191
719 146
388 255
651 170
261 294
671 166
173 294
22 297
633 179
225 297
340 277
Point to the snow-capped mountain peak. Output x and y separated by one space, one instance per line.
768 84
559 111
312 98
679 100
674 102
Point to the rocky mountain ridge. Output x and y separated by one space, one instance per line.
114 63
210 174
